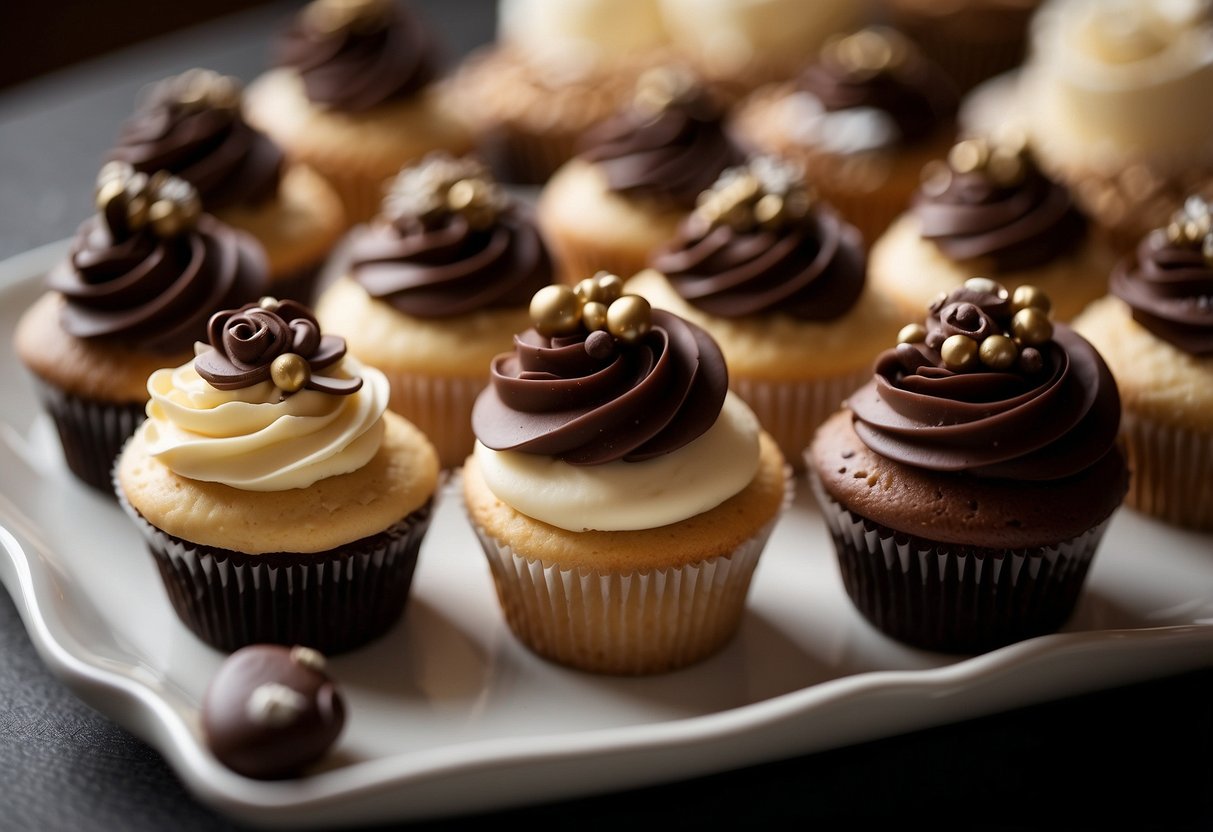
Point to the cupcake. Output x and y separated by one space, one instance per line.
1156 331
134 293
967 486
355 95
622 495
435 288
740 45
989 210
862 121
636 177
278 499
554 71
778 279
1112 97
191 126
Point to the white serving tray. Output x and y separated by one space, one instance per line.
449 715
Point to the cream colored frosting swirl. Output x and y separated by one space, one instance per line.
256 439
619 496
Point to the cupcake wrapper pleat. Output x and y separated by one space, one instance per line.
1171 471
624 623
92 433
955 598
441 408
332 601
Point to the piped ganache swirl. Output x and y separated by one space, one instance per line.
1168 285
879 69
759 243
992 202
449 242
153 282
191 126
353 56
668 146
990 391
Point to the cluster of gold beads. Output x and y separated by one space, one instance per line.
597 303
333 16
129 201
1193 225
442 185
1030 327
1005 161
766 192
200 89
866 53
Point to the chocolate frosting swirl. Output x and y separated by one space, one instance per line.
356 67
670 155
209 146
551 396
912 90
812 270
1018 224
155 293
244 343
448 267
1045 424
1169 288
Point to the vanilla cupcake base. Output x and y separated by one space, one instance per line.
631 602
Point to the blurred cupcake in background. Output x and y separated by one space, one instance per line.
636 176
554 71
862 120
355 94
191 126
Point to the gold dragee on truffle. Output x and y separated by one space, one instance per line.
766 192
597 304
129 201
290 372
441 186
998 352
959 352
912 334
1031 326
1003 159
1192 225
330 17
1029 296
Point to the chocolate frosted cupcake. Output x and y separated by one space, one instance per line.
622 495
436 287
968 485
862 121
1156 331
191 126
989 210
355 95
636 177
133 295
778 279
279 500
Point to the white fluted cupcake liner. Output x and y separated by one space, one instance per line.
92 433
951 597
791 411
1172 471
441 408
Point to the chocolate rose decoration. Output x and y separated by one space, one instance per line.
991 387
276 341
1169 284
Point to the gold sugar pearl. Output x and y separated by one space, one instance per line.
1026 296
269 304
986 286
290 372
768 211
603 288
912 334
555 310
959 352
594 316
969 155
998 352
1030 327
629 318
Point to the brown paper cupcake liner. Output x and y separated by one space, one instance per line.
950 597
792 410
333 601
1171 471
441 408
519 157
92 433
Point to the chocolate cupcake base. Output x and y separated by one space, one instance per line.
332 601
92 432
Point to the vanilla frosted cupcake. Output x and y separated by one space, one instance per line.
355 95
622 495
636 177
988 210
279 500
134 293
435 288
1155 329
778 279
